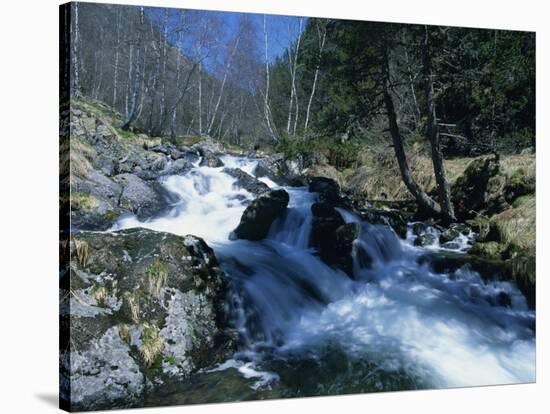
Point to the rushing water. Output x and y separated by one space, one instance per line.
311 329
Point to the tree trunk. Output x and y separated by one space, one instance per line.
322 39
432 131
75 89
226 72
424 201
126 124
267 110
117 53
162 115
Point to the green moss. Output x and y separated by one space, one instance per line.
78 200
169 360
235 149
188 140
491 249
122 134
111 215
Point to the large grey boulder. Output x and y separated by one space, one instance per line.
246 181
141 198
260 214
94 202
141 309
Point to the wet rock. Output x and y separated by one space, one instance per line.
328 189
140 198
425 239
246 181
451 245
448 262
343 246
504 299
326 220
165 149
260 214
209 159
175 154
448 235
269 167
393 218
142 305
179 167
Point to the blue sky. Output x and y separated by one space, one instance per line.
282 30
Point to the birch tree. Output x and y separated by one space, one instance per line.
224 80
117 53
130 117
267 109
322 37
75 90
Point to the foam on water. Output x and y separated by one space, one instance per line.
448 329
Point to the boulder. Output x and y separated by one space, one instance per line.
327 188
246 181
327 171
425 239
176 154
343 246
208 144
396 219
178 167
210 159
144 308
326 220
480 189
139 197
260 214
94 202
268 166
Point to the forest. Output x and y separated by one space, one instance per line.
180 72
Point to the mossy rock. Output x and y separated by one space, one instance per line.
490 249
517 225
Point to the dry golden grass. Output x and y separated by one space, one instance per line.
132 300
377 173
152 343
124 332
517 225
81 247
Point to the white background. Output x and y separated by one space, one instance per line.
29 209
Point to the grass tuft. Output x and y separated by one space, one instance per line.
152 343
81 247
157 275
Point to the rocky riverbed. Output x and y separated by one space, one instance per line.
192 269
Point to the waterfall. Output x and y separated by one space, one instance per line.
395 324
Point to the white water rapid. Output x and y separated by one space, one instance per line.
395 319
